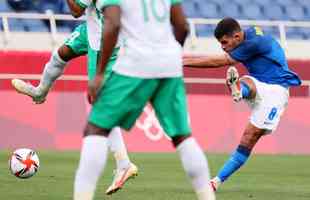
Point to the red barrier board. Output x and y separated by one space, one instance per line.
216 121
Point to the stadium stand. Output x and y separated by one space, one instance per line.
57 6
293 10
209 10
190 8
252 11
21 5
295 33
4 7
27 25
275 12
232 10
39 6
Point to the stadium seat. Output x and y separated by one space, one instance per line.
34 25
295 12
274 12
220 3
209 10
263 2
243 2
16 25
57 6
27 25
252 11
21 5
231 10
190 8
303 2
4 7
306 33
286 2
64 29
204 30
307 12
294 33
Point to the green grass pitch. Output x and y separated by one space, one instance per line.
161 177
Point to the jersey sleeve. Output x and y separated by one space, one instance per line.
250 48
83 3
104 3
173 2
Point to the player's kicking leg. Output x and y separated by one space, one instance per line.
53 69
125 169
233 82
240 89
75 46
249 139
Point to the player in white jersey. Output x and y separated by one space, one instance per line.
148 69
77 45
94 20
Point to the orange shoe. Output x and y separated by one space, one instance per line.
120 178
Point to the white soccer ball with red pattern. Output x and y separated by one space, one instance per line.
24 163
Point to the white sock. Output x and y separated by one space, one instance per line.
92 162
118 148
195 165
53 69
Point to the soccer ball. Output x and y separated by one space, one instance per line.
24 163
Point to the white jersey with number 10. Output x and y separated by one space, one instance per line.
148 45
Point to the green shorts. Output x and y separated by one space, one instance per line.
122 99
78 40
92 59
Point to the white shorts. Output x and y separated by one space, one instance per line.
269 104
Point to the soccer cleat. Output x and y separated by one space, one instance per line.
120 178
233 82
215 183
27 89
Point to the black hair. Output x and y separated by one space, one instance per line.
227 26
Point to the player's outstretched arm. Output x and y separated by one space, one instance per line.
179 23
77 7
208 61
